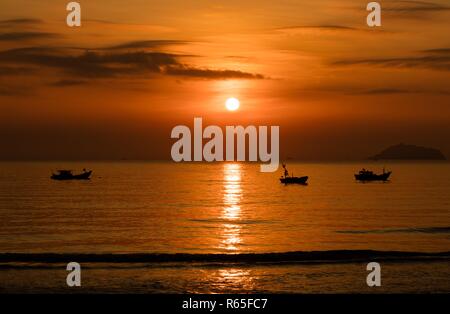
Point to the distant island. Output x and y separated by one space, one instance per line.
409 152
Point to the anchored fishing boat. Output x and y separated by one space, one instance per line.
286 179
292 180
366 175
62 175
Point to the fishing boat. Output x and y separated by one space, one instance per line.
293 180
366 175
62 175
286 179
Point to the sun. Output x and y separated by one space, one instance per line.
232 104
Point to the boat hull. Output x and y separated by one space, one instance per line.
373 177
83 176
294 180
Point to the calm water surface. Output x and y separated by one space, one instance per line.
223 208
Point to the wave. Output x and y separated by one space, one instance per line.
337 256
401 230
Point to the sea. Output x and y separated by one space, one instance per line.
163 227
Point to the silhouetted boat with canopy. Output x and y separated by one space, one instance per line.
63 175
366 175
286 179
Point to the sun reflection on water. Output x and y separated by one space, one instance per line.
234 279
231 213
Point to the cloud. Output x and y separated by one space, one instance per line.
20 36
95 64
134 59
132 26
393 91
413 6
356 90
8 70
14 91
413 9
64 83
389 90
141 44
210 74
317 27
21 21
383 91
237 57
327 28
434 59
90 64
438 51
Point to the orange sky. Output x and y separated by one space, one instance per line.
115 87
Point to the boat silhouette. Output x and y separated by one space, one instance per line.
62 175
286 179
293 180
366 175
